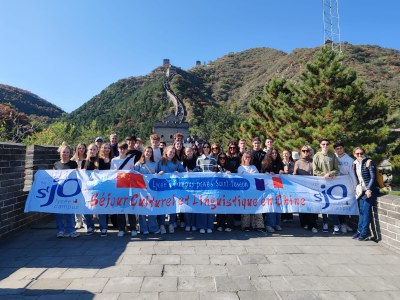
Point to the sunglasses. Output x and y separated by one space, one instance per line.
359 153
215 148
305 150
222 158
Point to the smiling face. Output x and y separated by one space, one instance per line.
93 150
206 149
81 149
286 155
148 153
256 145
170 153
64 154
324 146
189 152
274 154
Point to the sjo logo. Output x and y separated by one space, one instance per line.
340 193
74 189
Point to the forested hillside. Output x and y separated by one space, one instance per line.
28 103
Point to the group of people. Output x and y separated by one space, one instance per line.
159 158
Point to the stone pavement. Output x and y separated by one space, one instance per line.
238 265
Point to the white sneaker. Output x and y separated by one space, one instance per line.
121 233
78 225
209 230
187 229
220 228
227 229
162 229
182 225
146 233
202 231
171 228
336 229
306 227
270 229
314 230
133 233
60 234
325 227
343 228
278 228
194 228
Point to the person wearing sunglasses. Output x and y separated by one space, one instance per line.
233 157
304 167
365 172
326 165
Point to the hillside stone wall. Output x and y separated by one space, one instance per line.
18 164
386 222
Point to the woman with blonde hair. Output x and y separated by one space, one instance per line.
94 162
67 229
79 156
255 221
168 164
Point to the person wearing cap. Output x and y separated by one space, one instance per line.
303 166
99 141
132 152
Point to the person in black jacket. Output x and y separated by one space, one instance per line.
367 191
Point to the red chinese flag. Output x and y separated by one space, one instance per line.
277 182
130 180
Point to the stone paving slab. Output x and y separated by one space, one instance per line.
295 264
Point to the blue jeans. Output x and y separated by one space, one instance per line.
205 221
148 223
102 221
69 223
365 214
273 219
161 219
190 219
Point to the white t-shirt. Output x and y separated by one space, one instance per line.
116 162
157 154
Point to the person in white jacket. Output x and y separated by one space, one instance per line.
345 168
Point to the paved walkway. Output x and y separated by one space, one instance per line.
237 265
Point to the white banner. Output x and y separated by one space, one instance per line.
118 192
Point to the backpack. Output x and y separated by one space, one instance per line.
378 175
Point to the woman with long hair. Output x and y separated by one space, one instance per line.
288 167
272 164
168 164
94 162
224 221
254 221
179 150
67 229
304 167
147 165
206 163
79 156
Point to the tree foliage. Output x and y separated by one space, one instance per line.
328 101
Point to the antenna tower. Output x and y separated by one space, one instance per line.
331 24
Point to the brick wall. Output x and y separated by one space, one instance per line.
17 166
386 221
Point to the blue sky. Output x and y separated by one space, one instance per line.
69 51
